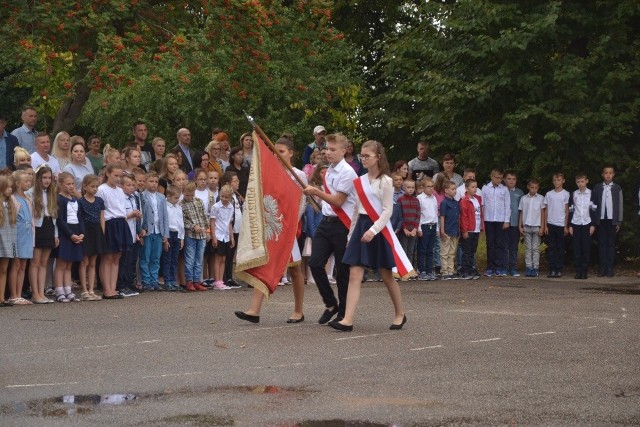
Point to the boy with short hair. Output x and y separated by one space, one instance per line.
129 258
497 219
607 197
176 238
470 226
222 233
428 227
449 230
556 203
213 179
195 229
410 207
513 232
531 222
581 227
156 228
398 183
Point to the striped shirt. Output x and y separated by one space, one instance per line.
410 206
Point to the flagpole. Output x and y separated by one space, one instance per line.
272 147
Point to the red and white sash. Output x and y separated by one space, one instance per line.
373 206
342 215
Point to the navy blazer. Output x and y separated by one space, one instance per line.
61 221
12 142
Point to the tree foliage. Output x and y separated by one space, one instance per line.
182 63
534 86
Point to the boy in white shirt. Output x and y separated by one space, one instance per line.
497 216
427 230
556 203
531 222
176 238
581 225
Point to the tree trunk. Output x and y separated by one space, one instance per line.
70 110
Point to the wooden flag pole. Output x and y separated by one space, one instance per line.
272 147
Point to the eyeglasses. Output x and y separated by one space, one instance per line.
367 156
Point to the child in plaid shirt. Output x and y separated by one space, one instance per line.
195 229
410 226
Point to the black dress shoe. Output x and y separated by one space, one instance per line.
327 315
578 276
116 296
340 327
300 320
395 327
584 276
601 274
248 317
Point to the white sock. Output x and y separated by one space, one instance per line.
67 290
59 291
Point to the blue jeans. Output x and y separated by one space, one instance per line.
193 253
170 259
425 248
150 259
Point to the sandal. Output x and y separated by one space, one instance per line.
94 297
61 298
72 297
85 296
40 301
21 301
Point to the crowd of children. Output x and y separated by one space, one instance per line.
59 226
154 229
452 216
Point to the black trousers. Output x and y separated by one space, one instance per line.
513 239
606 246
228 261
469 247
496 245
330 238
581 248
555 242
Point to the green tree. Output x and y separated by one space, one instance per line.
196 63
535 86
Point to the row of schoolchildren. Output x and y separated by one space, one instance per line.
116 218
445 221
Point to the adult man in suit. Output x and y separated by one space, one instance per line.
7 143
184 142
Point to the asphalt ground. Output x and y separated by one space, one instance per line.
496 351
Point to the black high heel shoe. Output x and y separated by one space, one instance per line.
340 327
395 327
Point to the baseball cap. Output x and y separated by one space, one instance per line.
318 129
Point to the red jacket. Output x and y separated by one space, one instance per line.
468 215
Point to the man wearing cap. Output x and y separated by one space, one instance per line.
319 132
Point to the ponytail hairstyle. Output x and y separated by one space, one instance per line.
383 163
38 201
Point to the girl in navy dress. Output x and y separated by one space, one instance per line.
8 219
367 247
71 228
94 244
45 211
117 232
24 233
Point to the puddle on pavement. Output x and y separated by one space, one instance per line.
342 423
82 404
611 290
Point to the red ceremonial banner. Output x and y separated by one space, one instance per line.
269 221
